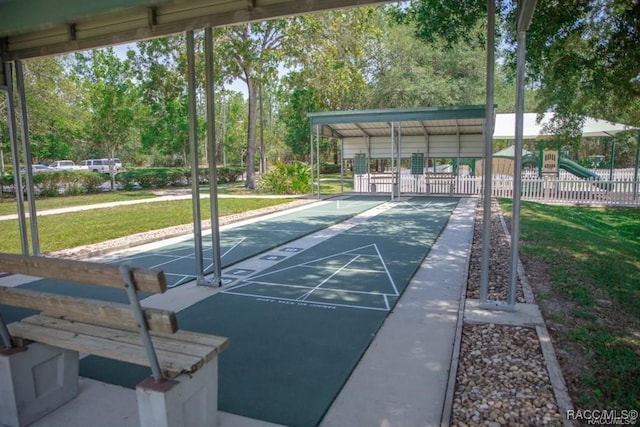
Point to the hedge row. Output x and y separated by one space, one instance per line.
77 182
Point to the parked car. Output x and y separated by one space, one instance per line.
64 165
101 165
38 169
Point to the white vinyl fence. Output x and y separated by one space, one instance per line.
563 189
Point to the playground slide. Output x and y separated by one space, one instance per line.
577 170
581 172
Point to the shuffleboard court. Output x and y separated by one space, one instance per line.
239 243
299 327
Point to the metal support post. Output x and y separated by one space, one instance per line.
212 156
26 149
318 156
193 140
311 158
141 322
517 171
15 157
488 153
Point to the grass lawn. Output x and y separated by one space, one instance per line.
592 260
82 228
333 184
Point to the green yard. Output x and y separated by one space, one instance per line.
585 270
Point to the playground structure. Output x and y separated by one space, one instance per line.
547 177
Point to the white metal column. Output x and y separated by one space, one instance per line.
488 153
212 155
193 142
15 156
26 151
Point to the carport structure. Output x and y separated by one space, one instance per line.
418 134
32 28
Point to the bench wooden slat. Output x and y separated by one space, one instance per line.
181 342
221 343
171 364
146 279
88 310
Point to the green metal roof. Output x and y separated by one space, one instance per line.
31 28
455 120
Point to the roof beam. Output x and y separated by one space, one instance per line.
525 14
364 132
399 114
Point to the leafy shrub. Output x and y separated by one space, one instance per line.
47 183
330 168
151 177
227 174
90 181
294 178
6 179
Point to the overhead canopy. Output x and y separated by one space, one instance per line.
505 127
33 28
510 152
438 132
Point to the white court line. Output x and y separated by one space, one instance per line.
246 283
306 295
387 271
184 279
238 243
235 290
304 264
334 304
356 270
173 260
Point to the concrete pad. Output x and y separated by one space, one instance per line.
97 405
226 419
524 315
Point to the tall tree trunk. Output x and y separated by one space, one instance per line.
251 138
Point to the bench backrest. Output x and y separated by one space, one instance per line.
84 309
147 280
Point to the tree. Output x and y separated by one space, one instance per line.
582 55
298 102
161 72
231 127
112 99
54 109
251 52
328 60
407 72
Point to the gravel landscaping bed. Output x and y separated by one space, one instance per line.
501 379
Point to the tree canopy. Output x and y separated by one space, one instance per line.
582 59
582 55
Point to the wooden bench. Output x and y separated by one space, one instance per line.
182 388
440 182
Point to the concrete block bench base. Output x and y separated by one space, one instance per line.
36 380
